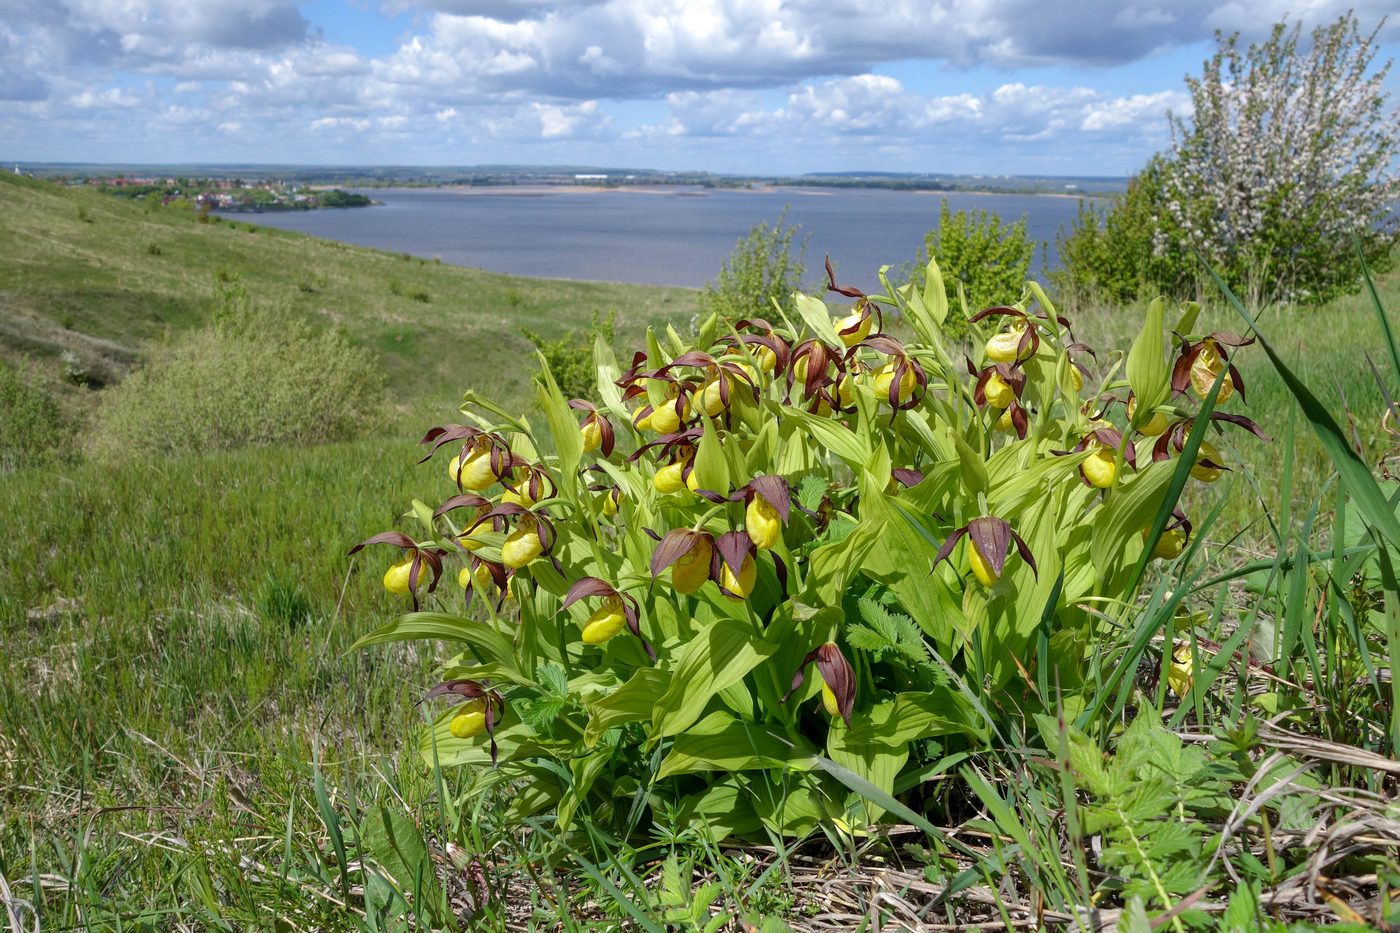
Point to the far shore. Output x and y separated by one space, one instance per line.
701 191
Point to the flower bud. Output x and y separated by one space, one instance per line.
670 478
1169 545
980 568
1155 425
711 400
1180 670
592 434
829 703
692 568
606 622
854 327
470 719
665 419
762 522
475 472
1206 368
1100 468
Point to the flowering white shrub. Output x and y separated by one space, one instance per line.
1288 155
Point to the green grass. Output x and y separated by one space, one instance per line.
186 740
79 274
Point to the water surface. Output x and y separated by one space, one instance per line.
664 236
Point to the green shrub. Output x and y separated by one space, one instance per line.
986 256
254 377
1115 254
32 427
570 357
759 271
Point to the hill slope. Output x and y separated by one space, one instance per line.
100 277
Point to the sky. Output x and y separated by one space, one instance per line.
729 86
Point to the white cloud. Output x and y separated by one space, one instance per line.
765 76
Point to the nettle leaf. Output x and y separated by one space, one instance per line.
540 713
886 631
553 679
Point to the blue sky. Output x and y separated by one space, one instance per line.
743 86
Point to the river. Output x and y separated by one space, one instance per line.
658 236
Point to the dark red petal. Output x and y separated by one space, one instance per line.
948 545
991 535
396 538
775 490
588 586
839 676
673 547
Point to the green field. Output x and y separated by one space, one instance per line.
186 741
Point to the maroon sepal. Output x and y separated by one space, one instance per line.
840 677
831 286
770 487
605 428
730 549
675 545
475 690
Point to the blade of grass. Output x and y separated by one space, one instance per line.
1357 479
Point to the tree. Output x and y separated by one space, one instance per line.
988 257
760 270
1289 154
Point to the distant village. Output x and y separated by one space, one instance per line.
221 194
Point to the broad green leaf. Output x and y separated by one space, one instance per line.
876 762
720 742
972 468
605 361
424 513
934 296
568 442
1128 511
634 701
817 317
831 566
1147 367
490 644
711 469
722 810
715 658
833 436
903 561
396 844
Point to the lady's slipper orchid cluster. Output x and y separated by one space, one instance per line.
727 500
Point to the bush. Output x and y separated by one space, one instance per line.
722 579
988 258
570 358
760 270
1288 161
1113 255
254 377
32 428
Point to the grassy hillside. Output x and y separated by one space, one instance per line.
101 277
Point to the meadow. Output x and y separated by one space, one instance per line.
188 742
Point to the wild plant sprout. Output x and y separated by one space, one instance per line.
677 575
